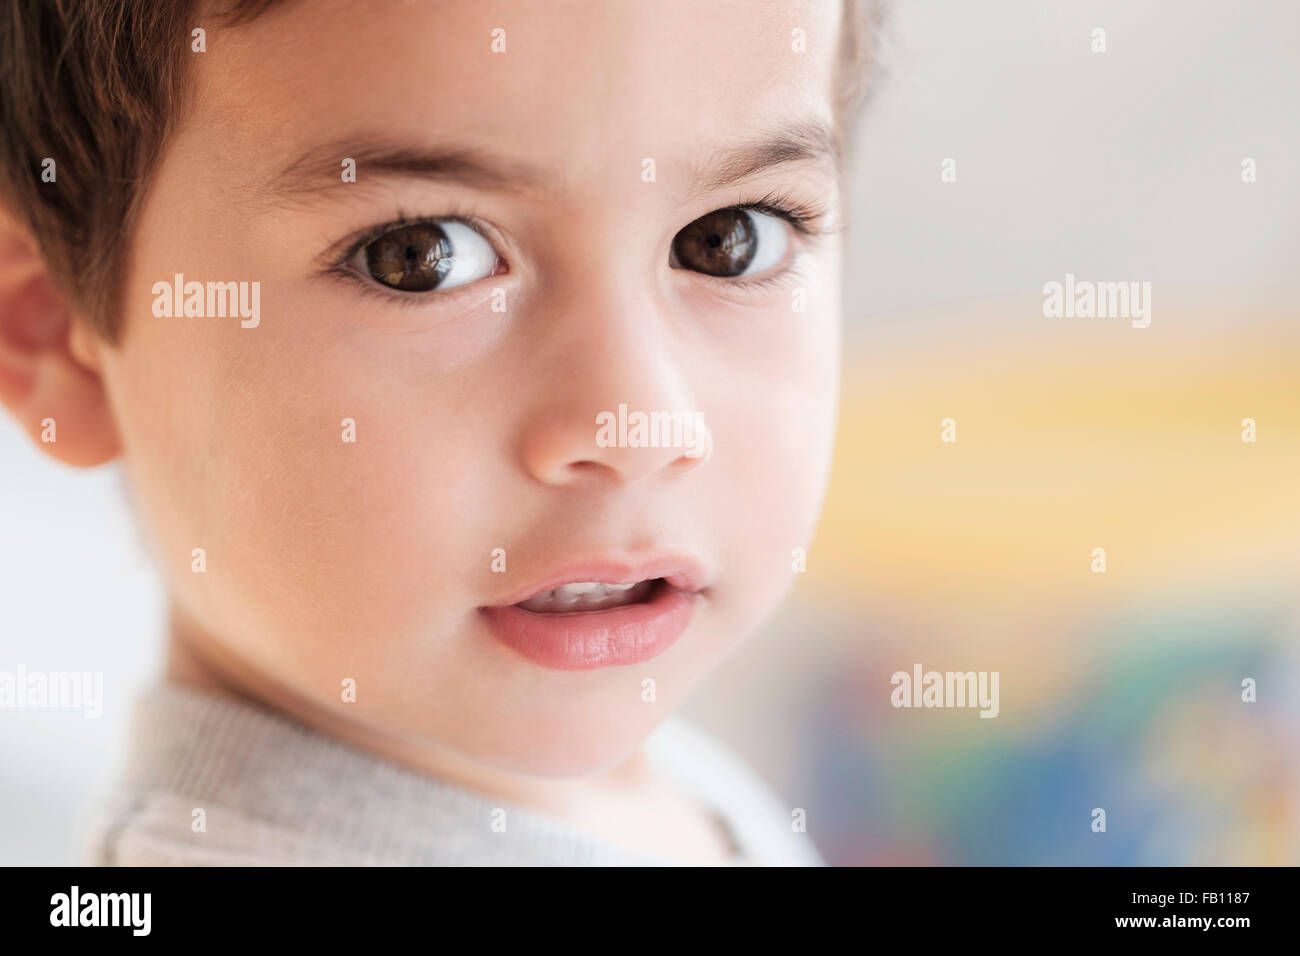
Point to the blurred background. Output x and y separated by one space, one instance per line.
1119 690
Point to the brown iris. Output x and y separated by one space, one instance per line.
412 258
723 243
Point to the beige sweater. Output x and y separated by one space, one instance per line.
276 792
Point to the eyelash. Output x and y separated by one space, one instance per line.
807 219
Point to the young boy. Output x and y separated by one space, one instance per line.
473 367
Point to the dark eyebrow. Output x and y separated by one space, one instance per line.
802 141
323 166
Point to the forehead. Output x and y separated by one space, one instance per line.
586 90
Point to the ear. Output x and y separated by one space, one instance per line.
48 379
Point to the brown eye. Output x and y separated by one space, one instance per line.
731 242
429 255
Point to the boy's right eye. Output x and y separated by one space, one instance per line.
424 256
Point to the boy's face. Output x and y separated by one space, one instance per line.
476 411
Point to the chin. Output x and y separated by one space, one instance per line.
577 748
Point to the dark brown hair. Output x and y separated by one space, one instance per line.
97 86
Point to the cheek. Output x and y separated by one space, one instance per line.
330 503
774 493
774 434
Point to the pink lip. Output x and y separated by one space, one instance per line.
585 640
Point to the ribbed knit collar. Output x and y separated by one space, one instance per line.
275 770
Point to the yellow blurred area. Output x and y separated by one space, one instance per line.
1071 434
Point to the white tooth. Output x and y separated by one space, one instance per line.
580 587
538 602
579 595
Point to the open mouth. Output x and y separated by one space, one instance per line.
588 596
601 612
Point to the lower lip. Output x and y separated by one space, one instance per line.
585 640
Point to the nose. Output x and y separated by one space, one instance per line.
619 445
615 404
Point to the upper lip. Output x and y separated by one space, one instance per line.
682 571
